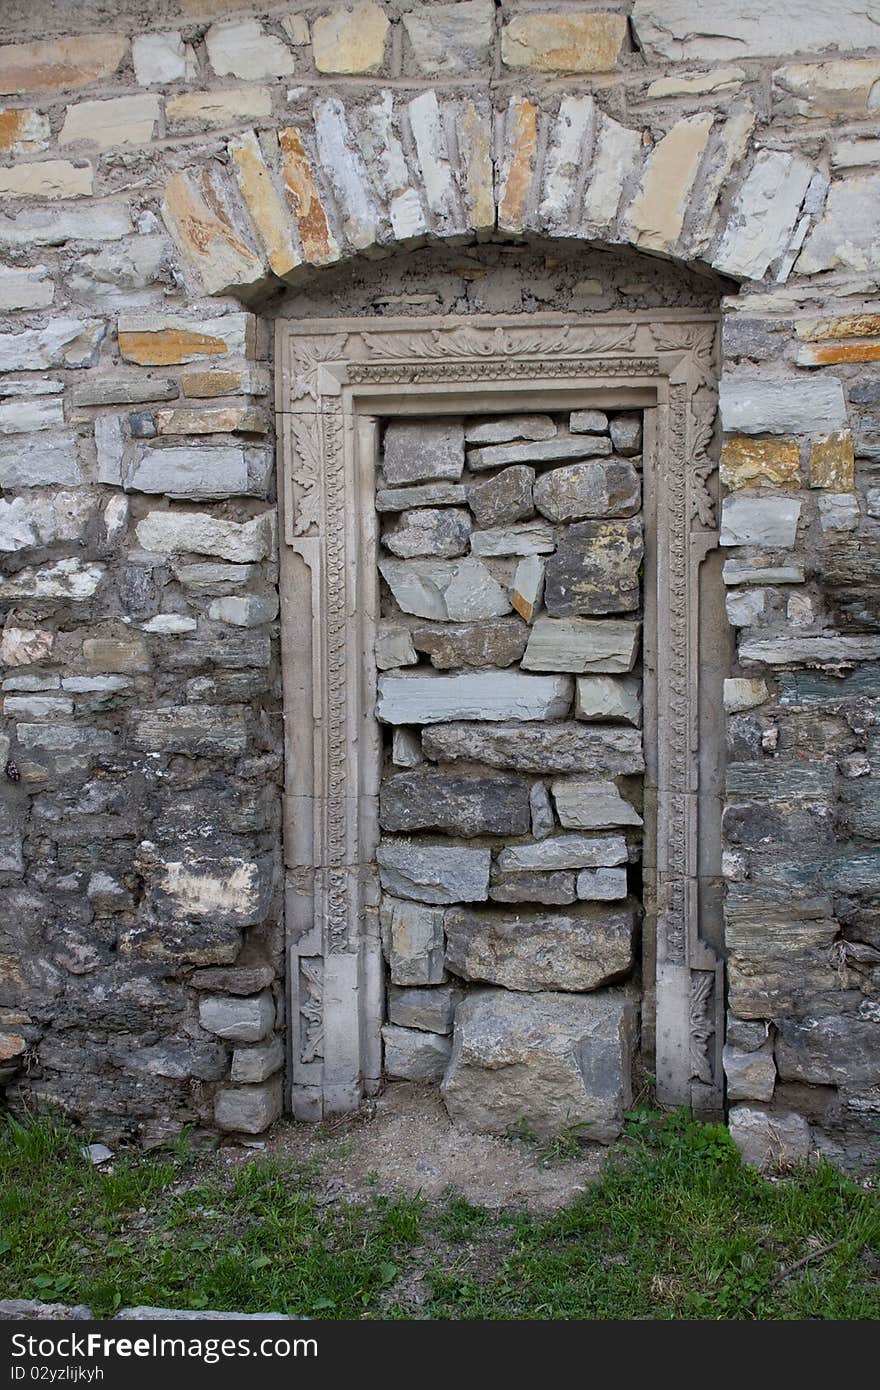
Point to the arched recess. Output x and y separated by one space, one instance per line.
393 175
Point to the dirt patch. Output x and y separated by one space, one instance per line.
403 1143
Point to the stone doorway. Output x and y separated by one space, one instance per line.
342 386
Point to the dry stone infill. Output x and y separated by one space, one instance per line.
497 749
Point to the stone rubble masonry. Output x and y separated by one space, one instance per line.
158 185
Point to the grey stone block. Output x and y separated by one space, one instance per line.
430 531
247 1019
551 889
413 941
565 852
413 1055
504 498
770 1139
248 1109
581 645
499 695
602 698
448 590
430 1010
596 569
611 488
498 642
539 451
251 1065
541 748
434 873
581 948
463 805
591 805
417 451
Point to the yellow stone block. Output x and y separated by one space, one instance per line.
263 202
350 41
657 213
827 354
832 462
747 462
56 65
563 42
231 419
846 326
216 383
123 121
220 108
110 654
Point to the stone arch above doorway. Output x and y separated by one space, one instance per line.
359 179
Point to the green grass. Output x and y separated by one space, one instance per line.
676 1228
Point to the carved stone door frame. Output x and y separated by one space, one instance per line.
337 378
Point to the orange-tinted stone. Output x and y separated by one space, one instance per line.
318 242
832 462
847 326
826 354
57 65
523 146
170 345
747 462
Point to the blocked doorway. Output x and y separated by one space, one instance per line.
345 388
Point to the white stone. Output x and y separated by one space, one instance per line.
202 534
24 646
23 415
845 237
493 696
572 136
745 607
601 885
565 852
603 698
239 1019
770 1139
406 747
452 39
64 343
381 147
43 518
838 511
852 154
345 170
158 58
70 579
583 804
454 590
528 587
436 181
683 30
54 226
742 694
694 84
167 624
242 48
770 521
26 287
782 405
121 121
617 155
762 219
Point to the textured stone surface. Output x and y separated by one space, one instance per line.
248 1109
448 590
528 587
688 30
50 65
452 39
531 949
238 1020
414 942
762 405
538 451
588 489
504 498
444 532
749 1075
581 645
423 451
501 695
430 1010
434 873
462 805
350 41
752 462
499 642
832 462
546 1062
565 852
595 569
770 1139
563 747
591 805
603 698
413 1055
531 538
760 521
551 889
563 41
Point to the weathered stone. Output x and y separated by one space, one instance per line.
538 451
414 942
53 65
547 1062
853 154
552 889
444 532
414 1055
406 748
202 534
223 381
67 579
742 694
451 39
122 121
563 42
498 643
832 462
237 1019
830 1047
745 607
394 647
42 519
509 427
244 610
543 820
163 340
656 214
541 748
229 419
786 405
824 650
23 415
246 1110
242 48
159 58
23 646
602 698
23 131
350 41
501 695
65 343
242 979
530 949
769 1139
433 873
763 215
591 805
201 471
588 422
462 805
754 570
319 245
528 587
602 885
843 238
399 499
430 1010
418 451
198 730
220 107
55 226
682 30
251 1065
749 1075
226 890
200 210
581 646
618 155
749 462
588 490
770 521
626 433
26 287
596 569
838 512
532 538
565 852
504 498
112 654
448 590
121 392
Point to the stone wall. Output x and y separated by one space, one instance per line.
165 168
512 602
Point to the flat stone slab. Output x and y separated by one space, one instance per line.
595 569
565 852
400 499
507 427
611 488
604 698
552 889
431 1010
583 804
412 939
422 451
496 642
499 695
541 748
414 1055
432 873
466 806
539 451
445 590
580 948
530 538
582 645
549 1062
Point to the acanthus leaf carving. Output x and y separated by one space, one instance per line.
306 472
703 411
311 1007
702 1025
696 343
473 342
309 353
